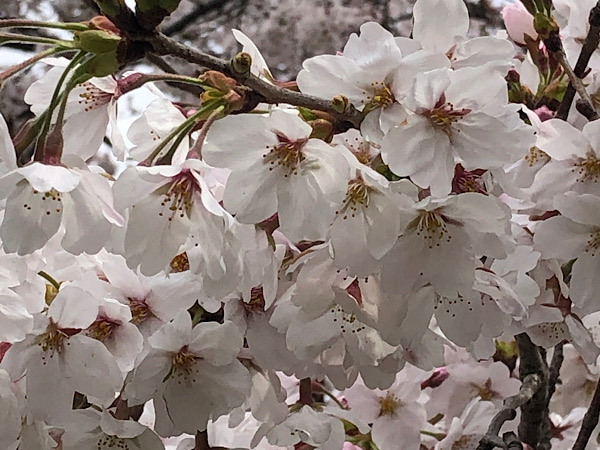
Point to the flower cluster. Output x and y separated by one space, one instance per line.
272 277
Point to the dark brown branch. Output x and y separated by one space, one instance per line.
589 47
533 413
553 374
201 441
269 93
575 81
531 385
590 420
305 389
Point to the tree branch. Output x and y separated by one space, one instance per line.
590 420
269 93
533 412
553 374
531 384
201 441
306 391
589 47
575 81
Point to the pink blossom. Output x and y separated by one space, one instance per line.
518 22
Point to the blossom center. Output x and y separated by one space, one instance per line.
140 310
588 168
183 365
112 442
468 180
178 196
256 304
357 196
93 97
380 97
593 242
180 263
347 322
485 391
53 340
51 199
101 329
389 404
431 225
286 154
534 155
443 115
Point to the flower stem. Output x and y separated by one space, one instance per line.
24 23
5 38
180 132
29 61
196 150
50 280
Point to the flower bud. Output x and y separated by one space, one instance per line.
545 26
438 376
518 22
96 41
241 63
102 65
340 104
322 129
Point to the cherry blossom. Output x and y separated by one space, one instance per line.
276 167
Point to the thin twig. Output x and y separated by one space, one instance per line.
196 150
575 81
590 420
587 50
554 370
531 384
269 93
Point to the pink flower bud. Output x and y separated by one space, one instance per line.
544 113
438 376
518 22
350 446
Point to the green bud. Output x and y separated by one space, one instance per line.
241 63
96 41
340 104
306 114
544 25
101 65
322 129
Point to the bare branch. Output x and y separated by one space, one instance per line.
553 374
576 82
534 412
531 384
589 47
269 93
